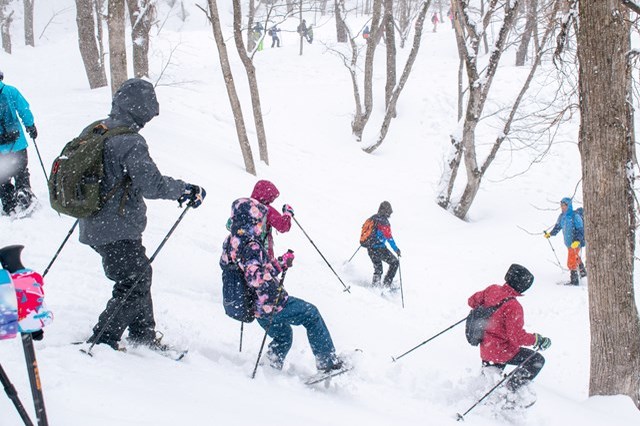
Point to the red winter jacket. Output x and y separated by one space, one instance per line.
266 192
504 333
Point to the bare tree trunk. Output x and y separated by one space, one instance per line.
341 30
93 64
603 42
530 10
359 123
6 19
251 39
142 14
28 23
253 82
391 106
99 32
117 46
479 86
390 31
236 108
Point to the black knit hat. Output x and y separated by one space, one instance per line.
519 278
385 209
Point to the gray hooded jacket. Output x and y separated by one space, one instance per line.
134 105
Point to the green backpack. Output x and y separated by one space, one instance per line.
76 174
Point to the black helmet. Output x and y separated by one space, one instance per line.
519 278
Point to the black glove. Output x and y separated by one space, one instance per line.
37 335
541 343
193 195
33 132
398 252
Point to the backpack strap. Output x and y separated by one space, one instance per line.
126 181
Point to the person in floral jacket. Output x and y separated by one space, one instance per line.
275 310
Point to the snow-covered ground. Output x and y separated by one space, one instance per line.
333 186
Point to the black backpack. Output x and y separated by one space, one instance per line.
477 321
9 125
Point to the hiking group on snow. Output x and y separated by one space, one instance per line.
107 198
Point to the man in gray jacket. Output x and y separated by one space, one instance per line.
115 232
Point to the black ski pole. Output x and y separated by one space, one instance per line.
13 396
354 254
55 256
266 330
429 339
505 379
10 260
40 158
34 379
241 333
400 274
346 288
135 284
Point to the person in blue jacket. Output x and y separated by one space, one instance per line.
377 249
15 187
572 227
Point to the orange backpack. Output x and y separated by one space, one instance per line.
367 233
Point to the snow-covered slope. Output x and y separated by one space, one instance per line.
333 186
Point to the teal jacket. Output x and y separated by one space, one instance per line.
20 106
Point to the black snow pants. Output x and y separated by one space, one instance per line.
379 255
126 263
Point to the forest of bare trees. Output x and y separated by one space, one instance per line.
593 38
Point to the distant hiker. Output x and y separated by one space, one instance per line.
257 34
378 233
504 334
115 231
15 188
365 32
572 226
273 32
266 192
310 34
245 257
302 29
435 21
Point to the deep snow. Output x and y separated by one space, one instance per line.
333 186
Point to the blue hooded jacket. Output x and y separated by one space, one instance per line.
17 104
571 225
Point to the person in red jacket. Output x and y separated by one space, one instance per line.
266 192
504 335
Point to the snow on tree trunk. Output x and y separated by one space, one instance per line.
89 51
142 13
603 44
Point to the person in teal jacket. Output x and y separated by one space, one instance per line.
15 187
